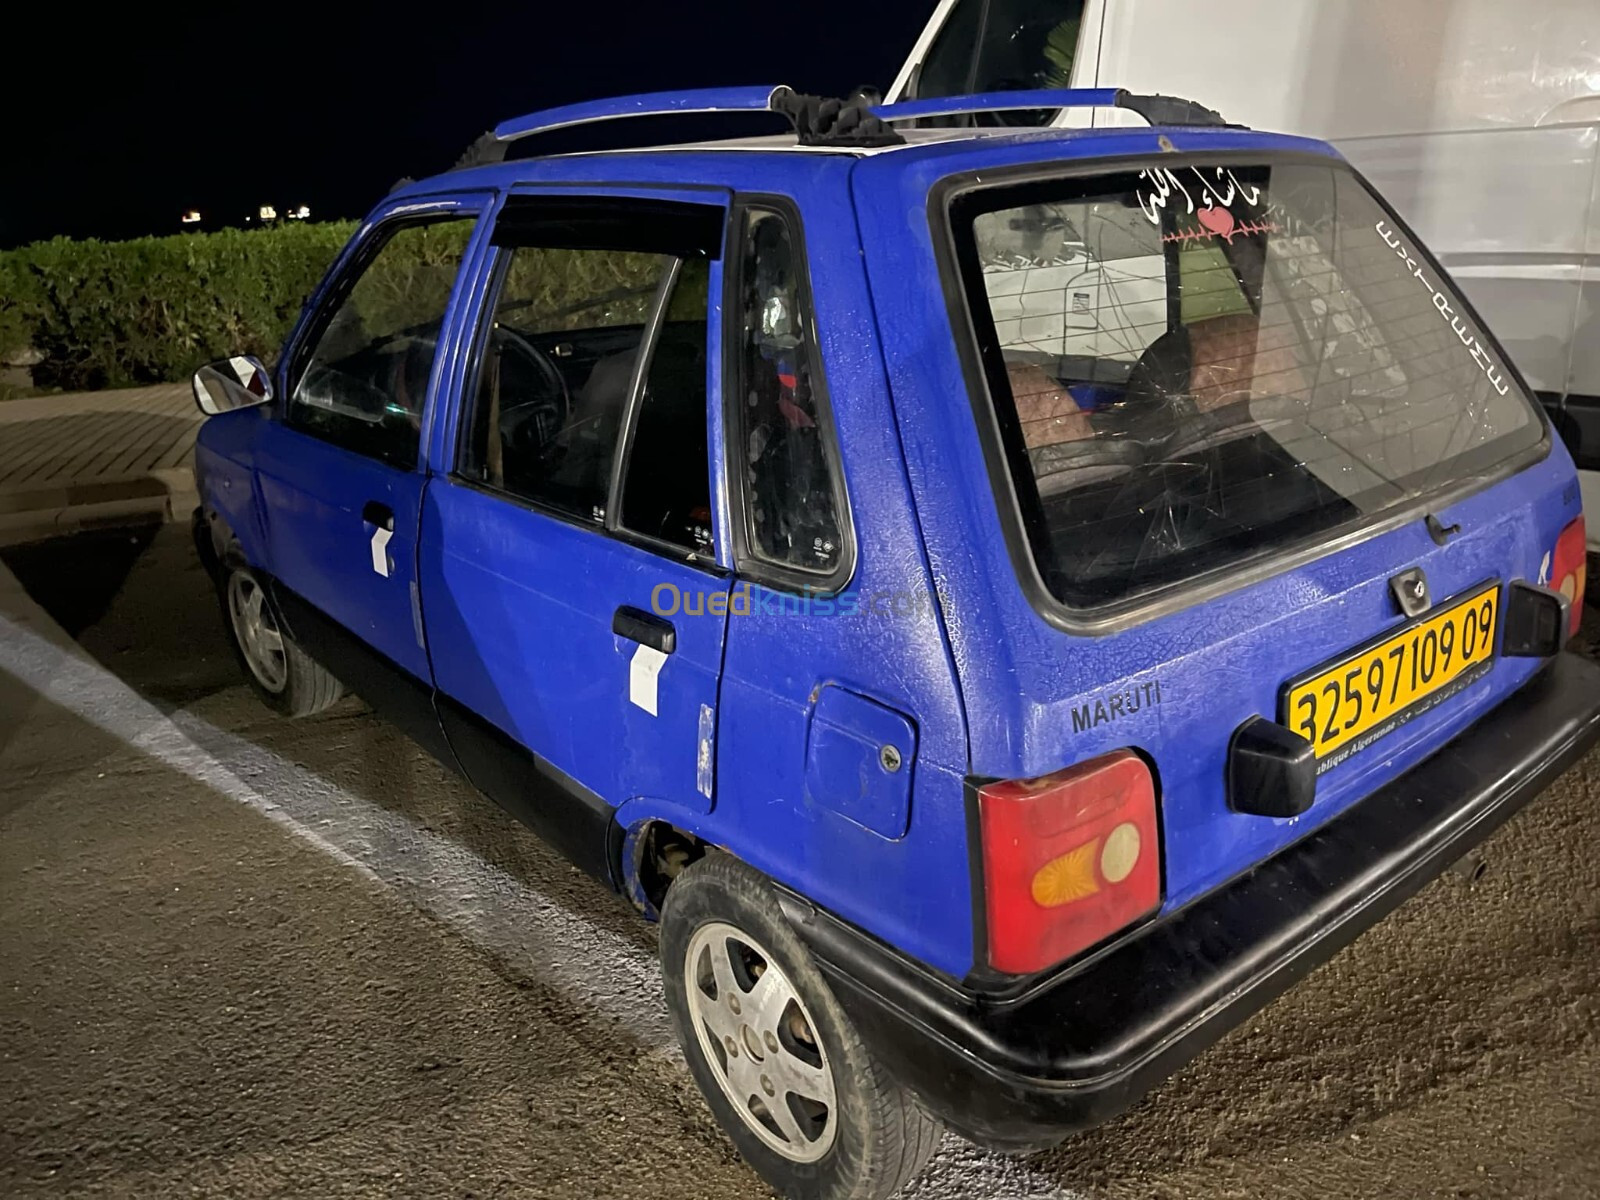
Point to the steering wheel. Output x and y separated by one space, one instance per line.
525 426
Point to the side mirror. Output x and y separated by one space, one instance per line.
230 383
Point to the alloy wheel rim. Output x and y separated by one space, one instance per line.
760 1041
257 632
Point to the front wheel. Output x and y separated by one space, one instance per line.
283 675
784 1071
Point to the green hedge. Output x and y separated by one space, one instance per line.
116 314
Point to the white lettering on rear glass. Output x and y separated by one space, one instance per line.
1442 303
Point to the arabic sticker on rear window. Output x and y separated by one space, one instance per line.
1209 188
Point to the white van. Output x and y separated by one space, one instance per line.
1478 119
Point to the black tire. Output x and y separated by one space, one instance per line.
305 686
882 1139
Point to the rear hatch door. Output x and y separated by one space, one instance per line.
1252 455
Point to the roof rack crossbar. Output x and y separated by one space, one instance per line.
655 104
1157 110
859 120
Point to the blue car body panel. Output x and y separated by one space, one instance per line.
224 471
934 641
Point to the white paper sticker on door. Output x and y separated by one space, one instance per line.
643 674
380 551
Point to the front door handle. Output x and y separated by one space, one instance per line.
378 514
645 628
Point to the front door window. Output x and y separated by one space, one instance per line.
362 379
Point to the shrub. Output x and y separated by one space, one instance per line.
18 303
115 314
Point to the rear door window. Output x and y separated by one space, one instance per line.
593 354
666 478
559 360
1193 366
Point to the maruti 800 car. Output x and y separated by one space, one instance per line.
1009 602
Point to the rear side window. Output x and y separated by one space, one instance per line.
792 497
1193 366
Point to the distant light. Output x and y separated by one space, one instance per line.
300 214
267 213
191 217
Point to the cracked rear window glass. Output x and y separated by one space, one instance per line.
1198 365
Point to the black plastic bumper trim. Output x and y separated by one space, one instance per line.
1090 1041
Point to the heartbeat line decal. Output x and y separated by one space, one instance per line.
1219 222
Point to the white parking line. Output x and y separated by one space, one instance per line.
589 965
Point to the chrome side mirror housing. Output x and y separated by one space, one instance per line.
229 383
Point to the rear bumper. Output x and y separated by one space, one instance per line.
1082 1045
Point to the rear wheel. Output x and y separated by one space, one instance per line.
779 1063
283 675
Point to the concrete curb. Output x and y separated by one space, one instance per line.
37 514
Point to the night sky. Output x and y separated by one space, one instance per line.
123 119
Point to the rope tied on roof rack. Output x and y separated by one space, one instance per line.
825 121
485 149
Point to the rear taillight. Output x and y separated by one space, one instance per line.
1068 859
1569 567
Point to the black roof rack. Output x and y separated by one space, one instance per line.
859 120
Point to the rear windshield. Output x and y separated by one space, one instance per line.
1195 365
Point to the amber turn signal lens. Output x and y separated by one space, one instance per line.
1068 878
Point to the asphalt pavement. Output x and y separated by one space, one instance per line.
244 956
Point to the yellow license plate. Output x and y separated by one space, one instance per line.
1349 704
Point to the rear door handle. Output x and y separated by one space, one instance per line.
379 514
645 628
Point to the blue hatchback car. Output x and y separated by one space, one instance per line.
1008 601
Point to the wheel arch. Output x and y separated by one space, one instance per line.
654 841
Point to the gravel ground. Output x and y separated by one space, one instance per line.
246 956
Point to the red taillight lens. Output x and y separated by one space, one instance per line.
1067 859
1569 567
